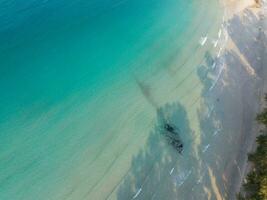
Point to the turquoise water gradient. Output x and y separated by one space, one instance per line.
69 100
50 49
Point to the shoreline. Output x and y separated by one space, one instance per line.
236 6
250 129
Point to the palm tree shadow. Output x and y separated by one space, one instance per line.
153 170
228 92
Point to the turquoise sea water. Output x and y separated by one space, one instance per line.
81 82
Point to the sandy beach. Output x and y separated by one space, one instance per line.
245 76
121 99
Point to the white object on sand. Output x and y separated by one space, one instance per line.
215 43
210 111
206 148
226 35
171 171
183 177
213 66
203 40
220 33
137 193
218 77
216 132
199 180
219 53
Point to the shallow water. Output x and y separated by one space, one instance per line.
85 87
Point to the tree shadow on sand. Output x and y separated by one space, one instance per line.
228 107
158 169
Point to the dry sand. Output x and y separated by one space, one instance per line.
236 6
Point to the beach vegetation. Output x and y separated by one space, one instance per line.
255 186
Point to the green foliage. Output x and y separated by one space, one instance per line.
256 186
262 117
